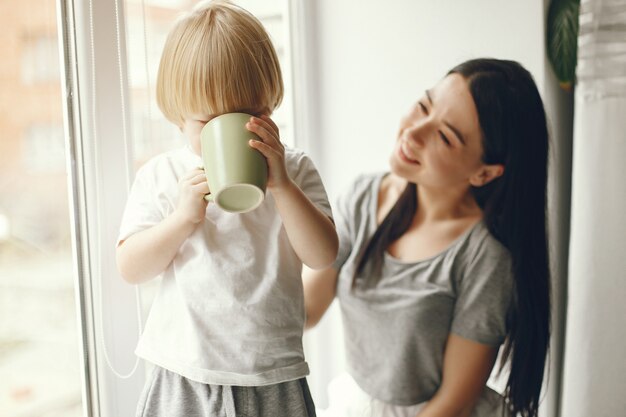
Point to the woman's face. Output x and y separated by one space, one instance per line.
440 142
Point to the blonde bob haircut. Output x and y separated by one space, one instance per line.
218 59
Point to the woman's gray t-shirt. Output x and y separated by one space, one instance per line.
396 329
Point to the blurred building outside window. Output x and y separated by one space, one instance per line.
40 59
39 346
44 148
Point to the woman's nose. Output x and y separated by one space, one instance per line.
420 131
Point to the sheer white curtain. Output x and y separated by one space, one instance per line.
595 367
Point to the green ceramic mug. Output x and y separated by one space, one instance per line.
235 172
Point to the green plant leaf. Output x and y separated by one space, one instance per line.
562 39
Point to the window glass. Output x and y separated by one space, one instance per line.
43 148
40 63
39 346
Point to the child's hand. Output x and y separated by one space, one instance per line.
191 191
273 150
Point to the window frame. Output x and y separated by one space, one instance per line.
103 394
72 126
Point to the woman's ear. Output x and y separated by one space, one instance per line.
486 174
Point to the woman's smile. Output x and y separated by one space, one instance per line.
405 155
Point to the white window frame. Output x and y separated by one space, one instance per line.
95 218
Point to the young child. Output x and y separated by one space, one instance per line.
225 329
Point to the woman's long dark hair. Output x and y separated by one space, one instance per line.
515 134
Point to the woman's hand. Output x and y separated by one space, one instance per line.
192 189
272 149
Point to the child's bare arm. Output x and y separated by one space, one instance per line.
320 289
146 254
311 233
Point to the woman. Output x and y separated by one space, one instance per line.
444 258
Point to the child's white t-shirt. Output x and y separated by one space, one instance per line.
230 308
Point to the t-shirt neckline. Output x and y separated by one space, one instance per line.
391 258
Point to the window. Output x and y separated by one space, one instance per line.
39 345
40 358
40 59
43 148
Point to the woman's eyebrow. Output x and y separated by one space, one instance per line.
452 128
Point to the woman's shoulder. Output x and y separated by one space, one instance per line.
481 259
363 187
365 182
481 245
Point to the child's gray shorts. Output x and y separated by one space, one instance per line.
168 394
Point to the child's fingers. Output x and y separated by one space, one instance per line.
198 178
269 121
191 174
201 188
270 127
262 131
265 132
264 148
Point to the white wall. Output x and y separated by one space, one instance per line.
374 61
370 61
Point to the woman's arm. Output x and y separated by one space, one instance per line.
466 368
319 291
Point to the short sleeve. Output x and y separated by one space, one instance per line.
310 182
484 293
141 211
